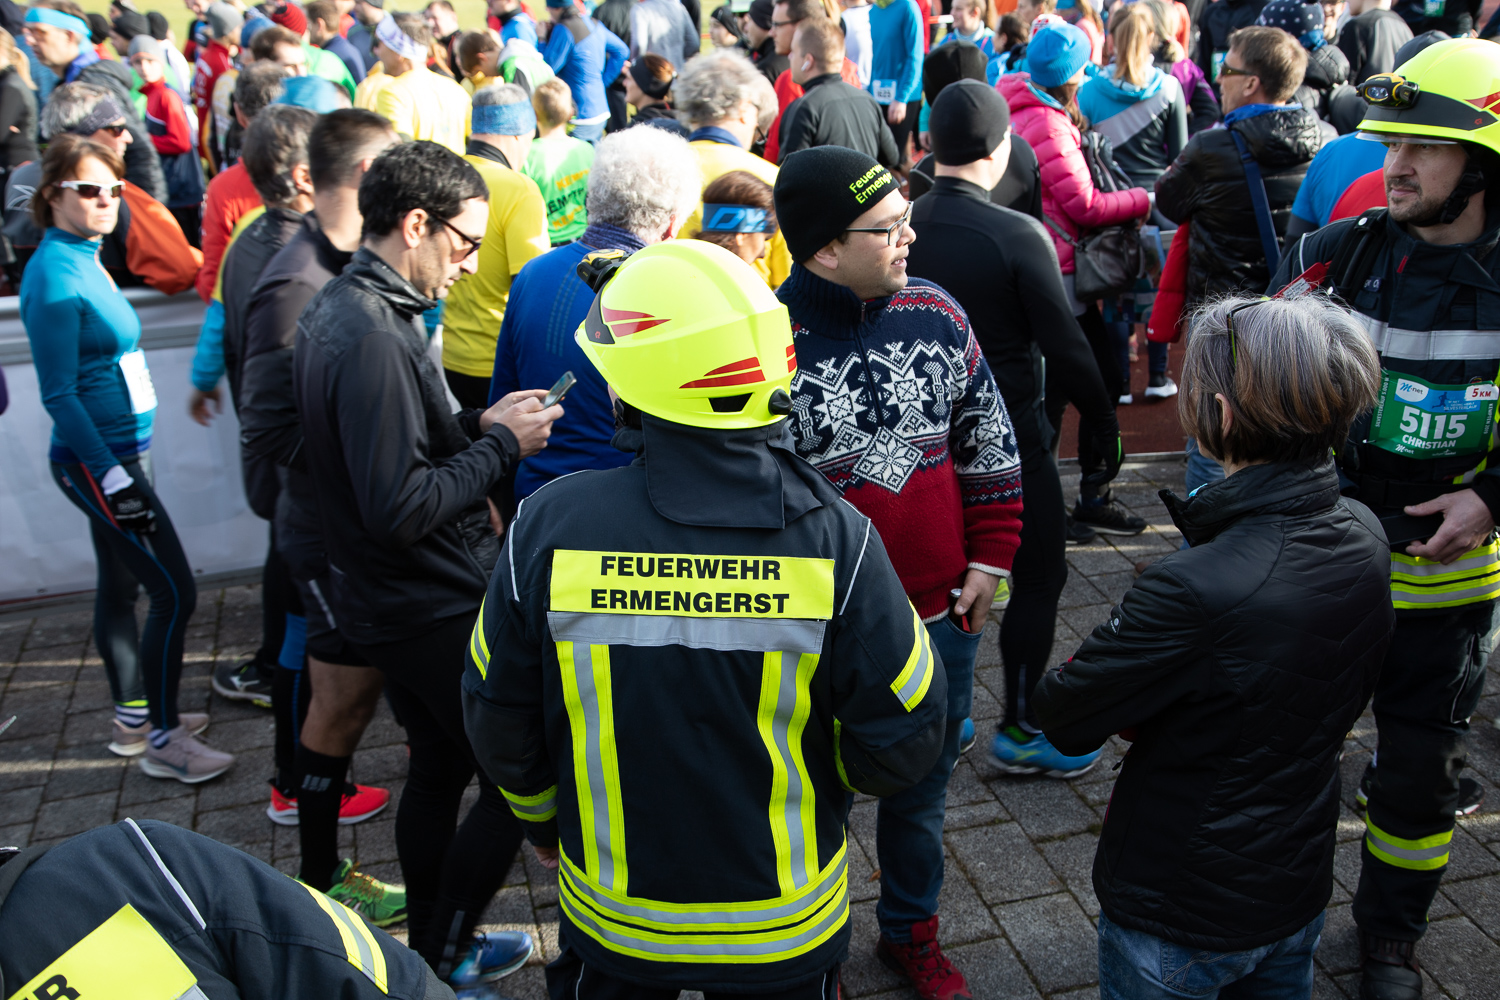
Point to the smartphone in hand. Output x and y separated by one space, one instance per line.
559 389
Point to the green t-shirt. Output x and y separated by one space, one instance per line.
330 67
560 165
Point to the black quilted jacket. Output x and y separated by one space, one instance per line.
1240 664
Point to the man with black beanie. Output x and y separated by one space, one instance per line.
761 43
1001 267
894 403
1021 186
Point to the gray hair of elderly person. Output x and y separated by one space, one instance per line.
275 146
641 179
1294 374
258 86
68 105
500 94
711 87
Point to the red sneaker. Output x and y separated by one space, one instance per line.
357 806
923 962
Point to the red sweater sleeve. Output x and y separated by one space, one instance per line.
166 120
983 443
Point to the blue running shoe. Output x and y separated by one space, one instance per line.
966 737
1038 756
491 957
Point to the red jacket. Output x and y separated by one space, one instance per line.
213 61
230 195
1362 194
166 119
1069 198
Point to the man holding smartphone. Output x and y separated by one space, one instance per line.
1421 275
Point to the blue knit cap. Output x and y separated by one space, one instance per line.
313 93
1056 54
1303 21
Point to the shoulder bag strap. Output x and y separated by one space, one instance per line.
1060 231
1257 185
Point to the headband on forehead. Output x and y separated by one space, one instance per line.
399 41
503 119
737 219
106 112
58 19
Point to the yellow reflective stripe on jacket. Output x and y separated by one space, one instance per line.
1418 855
736 933
1425 583
479 646
360 946
838 754
589 698
123 958
785 703
911 684
533 808
650 583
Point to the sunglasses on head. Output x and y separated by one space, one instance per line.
86 189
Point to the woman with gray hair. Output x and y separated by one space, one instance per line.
1236 667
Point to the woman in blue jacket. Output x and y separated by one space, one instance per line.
588 57
1142 112
85 343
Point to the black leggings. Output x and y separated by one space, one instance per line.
1036 580
1092 323
451 870
145 669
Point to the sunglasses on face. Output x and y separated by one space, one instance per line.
87 190
114 130
893 231
469 242
1227 70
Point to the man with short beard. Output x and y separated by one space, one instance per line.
1420 275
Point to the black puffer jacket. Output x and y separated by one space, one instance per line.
400 480
1327 74
1207 186
1240 663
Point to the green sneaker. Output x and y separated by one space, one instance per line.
378 902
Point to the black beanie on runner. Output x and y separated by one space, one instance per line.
821 191
949 63
968 122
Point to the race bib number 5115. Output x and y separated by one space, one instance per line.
1420 420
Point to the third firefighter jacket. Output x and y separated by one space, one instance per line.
681 668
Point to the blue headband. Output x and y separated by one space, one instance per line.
737 219
503 119
58 19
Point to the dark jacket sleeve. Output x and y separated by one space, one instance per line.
799 128
1070 360
1130 668
270 427
402 495
502 692
1178 189
890 691
889 156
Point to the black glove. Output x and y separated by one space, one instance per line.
131 510
1109 449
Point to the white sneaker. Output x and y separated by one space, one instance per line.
1125 400
130 741
1161 387
185 759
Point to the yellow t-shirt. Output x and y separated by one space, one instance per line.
716 159
479 81
370 87
516 233
420 104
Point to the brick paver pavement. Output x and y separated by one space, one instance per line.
1017 907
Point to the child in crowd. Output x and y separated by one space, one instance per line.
559 163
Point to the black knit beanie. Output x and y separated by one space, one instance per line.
949 63
967 123
820 191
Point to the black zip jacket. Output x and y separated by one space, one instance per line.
1241 663
238 275
142 164
768 62
179 909
1221 18
1327 73
1001 267
400 480
681 668
1020 189
1206 185
1370 40
270 427
659 116
832 113
1433 312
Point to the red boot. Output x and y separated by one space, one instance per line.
923 962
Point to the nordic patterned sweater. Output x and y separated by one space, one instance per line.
893 402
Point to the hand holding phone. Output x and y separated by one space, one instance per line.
559 390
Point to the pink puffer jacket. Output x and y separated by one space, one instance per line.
1069 197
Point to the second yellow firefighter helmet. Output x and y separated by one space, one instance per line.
688 332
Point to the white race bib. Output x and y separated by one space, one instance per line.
138 381
885 91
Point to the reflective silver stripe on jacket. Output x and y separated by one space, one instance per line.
1121 128
792 635
1431 345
